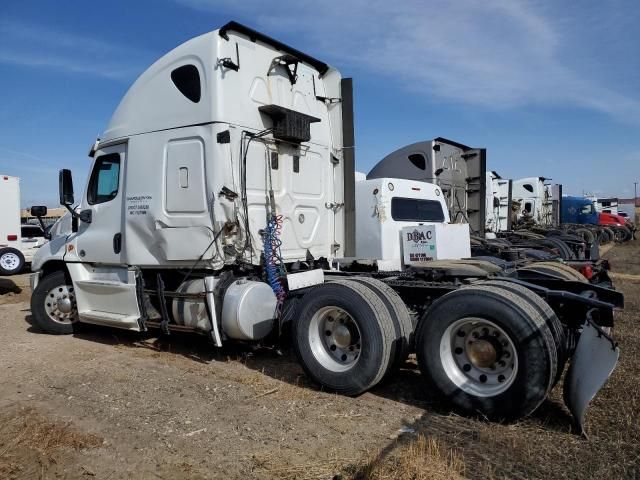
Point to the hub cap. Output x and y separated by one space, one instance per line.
478 356
334 338
9 261
60 304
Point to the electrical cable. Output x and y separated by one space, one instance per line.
202 255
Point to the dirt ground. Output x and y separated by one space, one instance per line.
108 404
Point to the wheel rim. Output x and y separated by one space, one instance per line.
9 261
479 357
60 304
335 339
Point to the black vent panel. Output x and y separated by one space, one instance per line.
289 125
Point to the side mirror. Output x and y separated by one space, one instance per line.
65 187
39 211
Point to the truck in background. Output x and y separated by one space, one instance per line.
581 214
498 199
18 243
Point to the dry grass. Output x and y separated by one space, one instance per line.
415 458
421 458
26 434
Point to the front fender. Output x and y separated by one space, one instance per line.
52 250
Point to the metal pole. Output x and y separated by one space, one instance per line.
635 202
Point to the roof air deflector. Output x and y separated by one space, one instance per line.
257 36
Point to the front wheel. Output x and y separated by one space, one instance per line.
53 304
487 351
11 261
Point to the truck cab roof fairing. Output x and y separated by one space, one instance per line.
154 102
406 162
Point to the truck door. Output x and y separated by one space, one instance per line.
100 241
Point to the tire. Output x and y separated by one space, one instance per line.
563 249
603 237
370 333
49 307
454 318
610 233
586 234
400 316
624 234
558 269
544 309
11 261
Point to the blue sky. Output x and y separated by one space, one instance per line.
548 89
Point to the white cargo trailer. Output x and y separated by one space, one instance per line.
222 201
18 243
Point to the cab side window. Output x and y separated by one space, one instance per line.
105 179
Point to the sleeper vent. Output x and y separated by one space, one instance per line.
289 125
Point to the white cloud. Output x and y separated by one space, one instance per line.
39 47
492 53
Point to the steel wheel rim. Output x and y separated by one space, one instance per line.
335 339
9 261
478 357
60 304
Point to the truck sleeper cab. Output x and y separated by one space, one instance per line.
220 201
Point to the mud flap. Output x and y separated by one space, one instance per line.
592 363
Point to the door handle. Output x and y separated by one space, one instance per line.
117 243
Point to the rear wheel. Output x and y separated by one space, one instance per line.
403 326
543 308
610 233
487 350
586 234
53 304
11 261
343 336
622 234
561 247
557 269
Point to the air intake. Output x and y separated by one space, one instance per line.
289 125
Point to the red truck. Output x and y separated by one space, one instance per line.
627 229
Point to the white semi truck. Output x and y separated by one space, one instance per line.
222 201
498 203
18 243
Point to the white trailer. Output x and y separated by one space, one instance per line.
222 200
18 243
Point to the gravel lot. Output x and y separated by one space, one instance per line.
108 404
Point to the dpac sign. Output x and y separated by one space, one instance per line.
419 243
435 241
419 236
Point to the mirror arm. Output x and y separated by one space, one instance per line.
73 213
46 230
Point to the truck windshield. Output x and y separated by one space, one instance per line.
416 210
587 209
